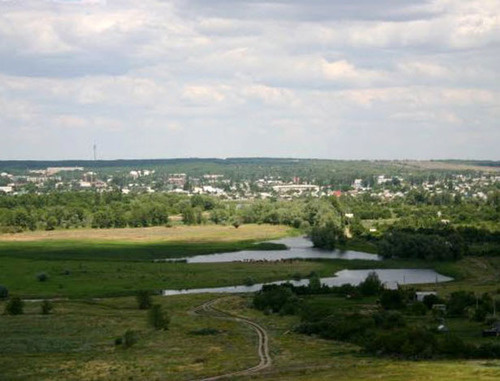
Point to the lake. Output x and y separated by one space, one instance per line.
298 247
390 278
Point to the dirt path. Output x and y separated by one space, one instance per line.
208 309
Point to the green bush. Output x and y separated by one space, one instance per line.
130 338
144 301
4 292
392 300
42 277
371 285
46 307
157 318
15 306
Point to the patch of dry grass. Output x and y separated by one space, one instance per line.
203 233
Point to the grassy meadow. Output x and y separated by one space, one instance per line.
100 270
76 342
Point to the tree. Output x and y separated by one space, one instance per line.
15 306
46 307
4 292
371 285
144 301
157 318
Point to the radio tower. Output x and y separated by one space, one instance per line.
95 152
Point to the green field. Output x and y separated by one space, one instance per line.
76 341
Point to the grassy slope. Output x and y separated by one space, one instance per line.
70 345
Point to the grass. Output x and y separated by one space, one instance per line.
77 341
71 345
201 233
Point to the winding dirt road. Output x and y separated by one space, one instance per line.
208 309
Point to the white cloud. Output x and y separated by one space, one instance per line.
182 75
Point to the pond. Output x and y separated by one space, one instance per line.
298 247
391 278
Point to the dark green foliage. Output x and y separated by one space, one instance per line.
249 281
389 319
417 309
144 300
277 299
205 332
130 338
414 342
15 306
119 341
314 282
430 300
392 299
371 285
459 301
412 244
42 277
327 236
351 327
47 307
157 318
4 292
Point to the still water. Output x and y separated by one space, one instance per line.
390 278
298 247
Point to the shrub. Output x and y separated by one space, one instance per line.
275 297
42 277
119 341
129 338
371 285
46 307
249 281
4 292
157 318
144 301
14 306
431 299
205 332
392 300
418 309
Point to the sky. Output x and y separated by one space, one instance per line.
344 79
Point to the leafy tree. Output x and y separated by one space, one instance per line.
144 300
15 306
4 292
371 285
46 307
157 318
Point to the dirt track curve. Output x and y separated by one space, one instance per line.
208 309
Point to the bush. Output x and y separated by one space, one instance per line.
205 332
371 285
277 299
130 338
418 309
14 306
144 301
431 299
4 292
42 277
249 281
157 318
392 300
46 307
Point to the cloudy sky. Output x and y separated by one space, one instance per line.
344 79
